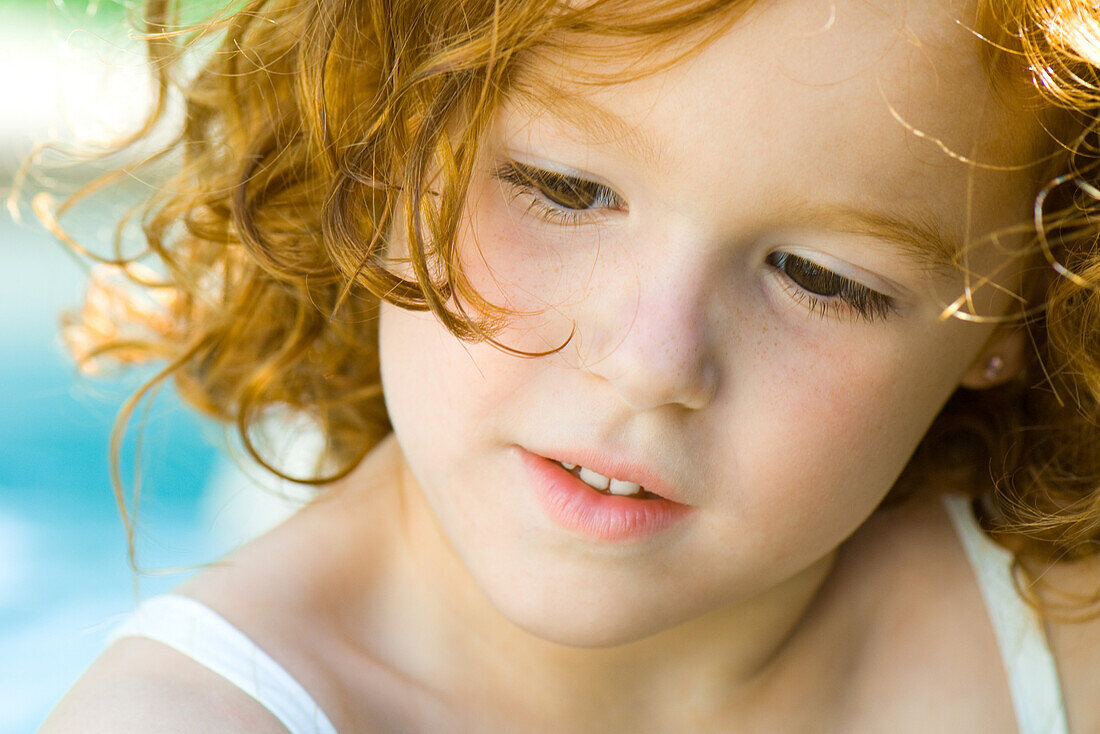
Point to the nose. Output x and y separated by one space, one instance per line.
652 343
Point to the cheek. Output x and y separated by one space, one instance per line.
443 393
492 252
520 262
872 407
536 280
408 387
839 425
435 384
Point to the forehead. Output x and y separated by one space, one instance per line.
883 109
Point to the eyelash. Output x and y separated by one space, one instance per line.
835 294
549 192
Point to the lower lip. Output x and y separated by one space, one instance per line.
577 507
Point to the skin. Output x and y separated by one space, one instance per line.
781 428
465 608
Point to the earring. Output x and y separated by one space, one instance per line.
994 366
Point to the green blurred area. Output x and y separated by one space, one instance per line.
108 11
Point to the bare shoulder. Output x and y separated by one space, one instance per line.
139 685
1076 644
924 561
287 592
923 629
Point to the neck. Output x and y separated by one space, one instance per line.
723 661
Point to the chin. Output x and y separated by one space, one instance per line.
593 636
572 621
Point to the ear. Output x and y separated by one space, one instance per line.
1001 359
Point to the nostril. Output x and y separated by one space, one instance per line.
647 384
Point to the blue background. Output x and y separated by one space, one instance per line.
64 575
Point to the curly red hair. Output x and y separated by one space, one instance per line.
318 126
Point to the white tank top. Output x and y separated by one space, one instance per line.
1032 673
199 633
202 635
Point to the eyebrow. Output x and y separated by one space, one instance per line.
599 122
920 237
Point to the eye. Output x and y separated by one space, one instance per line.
557 197
823 291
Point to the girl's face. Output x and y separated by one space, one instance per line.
747 249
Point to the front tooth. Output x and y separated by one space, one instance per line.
569 467
623 488
594 479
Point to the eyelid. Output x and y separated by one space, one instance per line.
536 172
851 272
538 184
525 160
842 297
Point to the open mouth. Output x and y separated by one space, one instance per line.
608 485
601 506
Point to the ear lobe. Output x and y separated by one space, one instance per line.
1000 360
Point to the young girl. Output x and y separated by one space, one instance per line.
698 326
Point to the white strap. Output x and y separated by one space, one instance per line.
202 635
1032 673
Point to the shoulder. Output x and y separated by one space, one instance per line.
924 631
1076 644
934 613
139 685
287 592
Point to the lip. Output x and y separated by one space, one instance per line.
631 471
574 505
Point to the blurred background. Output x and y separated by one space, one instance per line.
71 72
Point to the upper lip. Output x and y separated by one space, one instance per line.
616 465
